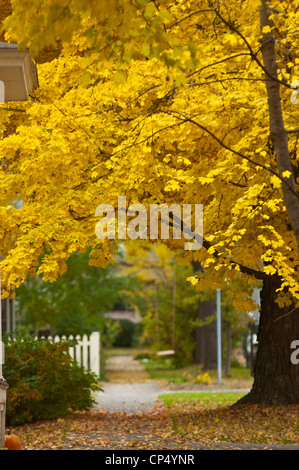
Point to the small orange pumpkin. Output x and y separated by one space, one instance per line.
12 442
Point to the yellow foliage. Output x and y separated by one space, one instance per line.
203 378
155 104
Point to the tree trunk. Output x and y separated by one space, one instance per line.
276 378
278 132
251 350
206 336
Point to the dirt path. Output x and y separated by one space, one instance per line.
124 369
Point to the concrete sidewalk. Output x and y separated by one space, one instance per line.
130 388
134 397
129 398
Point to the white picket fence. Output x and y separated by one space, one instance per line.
86 352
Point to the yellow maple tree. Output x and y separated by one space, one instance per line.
182 101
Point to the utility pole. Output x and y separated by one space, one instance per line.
219 334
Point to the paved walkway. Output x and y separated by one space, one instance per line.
129 389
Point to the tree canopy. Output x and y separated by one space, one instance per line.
160 102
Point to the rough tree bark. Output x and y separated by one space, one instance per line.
206 336
276 378
205 351
278 133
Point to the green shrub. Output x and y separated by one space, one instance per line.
44 382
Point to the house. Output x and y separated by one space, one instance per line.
131 315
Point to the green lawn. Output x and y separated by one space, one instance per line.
208 399
209 417
163 370
117 351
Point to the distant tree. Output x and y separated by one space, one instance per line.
77 301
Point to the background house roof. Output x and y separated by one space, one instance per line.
130 315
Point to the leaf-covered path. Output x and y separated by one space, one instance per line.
128 416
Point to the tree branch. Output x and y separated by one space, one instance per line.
253 55
207 245
219 62
250 160
189 16
244 269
